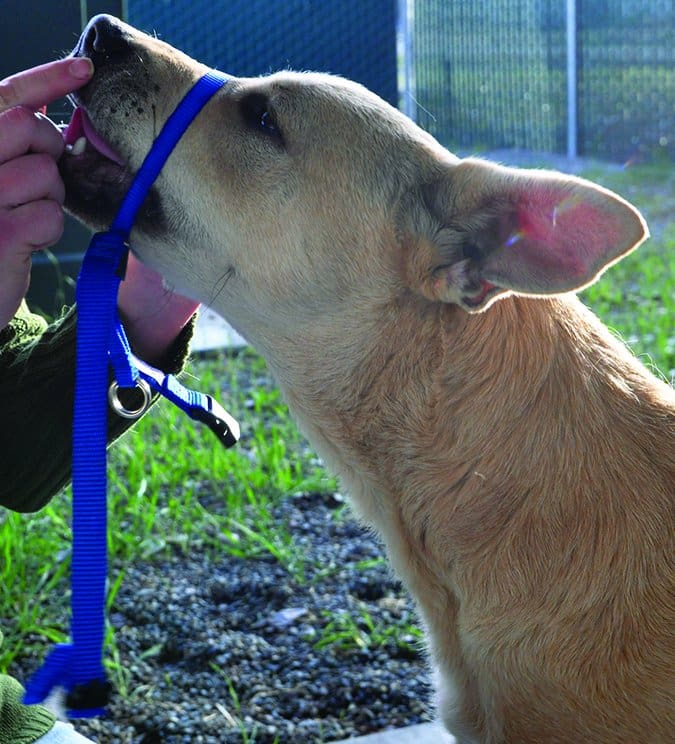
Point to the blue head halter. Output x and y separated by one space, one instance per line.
78 666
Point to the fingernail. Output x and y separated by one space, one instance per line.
81 68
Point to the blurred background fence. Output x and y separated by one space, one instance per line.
353 38
494 74
479 74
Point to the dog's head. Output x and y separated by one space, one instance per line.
293 193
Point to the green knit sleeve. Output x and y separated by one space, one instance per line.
20 724
37 373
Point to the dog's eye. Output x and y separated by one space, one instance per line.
258 115
267 123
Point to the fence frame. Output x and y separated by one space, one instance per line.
572 82
608 75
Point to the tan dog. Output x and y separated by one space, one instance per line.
517 461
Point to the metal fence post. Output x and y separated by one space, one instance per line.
406 61
572 113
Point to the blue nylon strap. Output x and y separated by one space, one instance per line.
119 353
171 132
80 662
78 666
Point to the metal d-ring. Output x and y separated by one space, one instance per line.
130 413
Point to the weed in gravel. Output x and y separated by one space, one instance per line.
236 720
346 632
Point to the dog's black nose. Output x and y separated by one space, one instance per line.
104 41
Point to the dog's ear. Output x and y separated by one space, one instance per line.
481 230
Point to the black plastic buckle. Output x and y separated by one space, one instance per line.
224 426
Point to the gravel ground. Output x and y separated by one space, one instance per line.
224 650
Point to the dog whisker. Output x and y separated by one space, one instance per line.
220 284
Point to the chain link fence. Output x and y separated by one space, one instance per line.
493 74
352 38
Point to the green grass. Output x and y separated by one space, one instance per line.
636 297
346 632
169 465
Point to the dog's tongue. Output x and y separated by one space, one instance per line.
80 126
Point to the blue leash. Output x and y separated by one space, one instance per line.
78 666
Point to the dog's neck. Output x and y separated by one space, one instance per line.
355 368
411 372
513 382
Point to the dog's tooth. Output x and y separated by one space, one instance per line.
79 146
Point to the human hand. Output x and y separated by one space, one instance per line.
31 190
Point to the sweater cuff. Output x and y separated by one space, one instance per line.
19 723
173 360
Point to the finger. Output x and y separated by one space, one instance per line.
30 178
27 228
22 131
42 85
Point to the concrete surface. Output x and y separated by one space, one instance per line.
424 733
212 332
